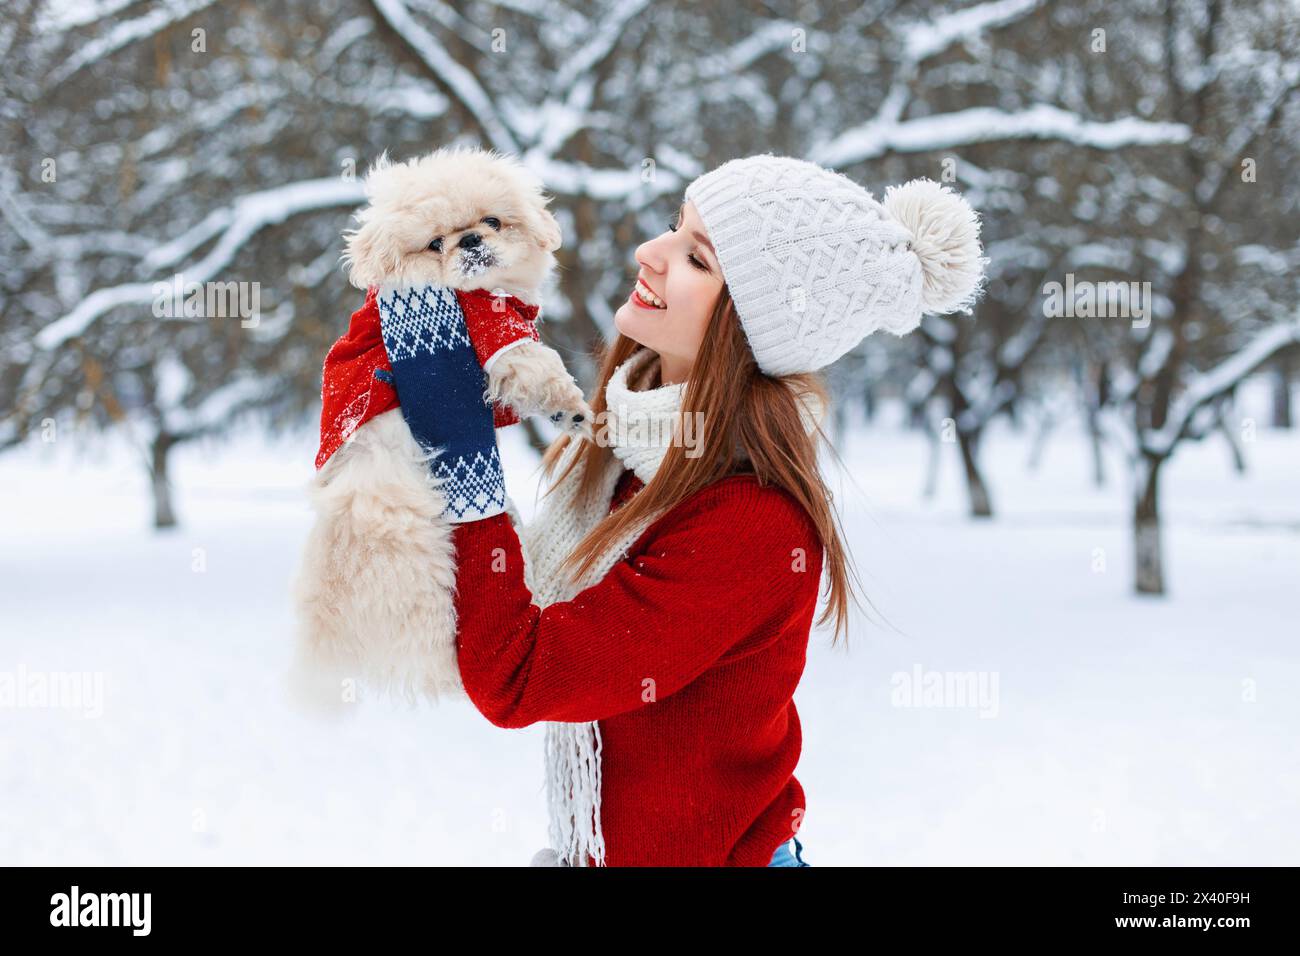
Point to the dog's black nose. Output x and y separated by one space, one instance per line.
470 240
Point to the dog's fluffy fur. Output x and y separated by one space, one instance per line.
376 590
447 195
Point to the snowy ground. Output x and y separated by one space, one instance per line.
1122 731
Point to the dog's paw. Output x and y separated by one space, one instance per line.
532 380
576 418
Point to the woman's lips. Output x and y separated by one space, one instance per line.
643 297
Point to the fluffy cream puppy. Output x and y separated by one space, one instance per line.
421 211
469 219
465 219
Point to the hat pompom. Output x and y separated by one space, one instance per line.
945 237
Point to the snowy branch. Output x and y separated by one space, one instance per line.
218 408
458 79
237 224
886 131
1217 382
1159 348
565 112
13 212
1244 137
575 179
983 124
929 38
771 36
57 18
125 33
600 45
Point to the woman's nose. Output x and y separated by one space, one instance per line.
649 257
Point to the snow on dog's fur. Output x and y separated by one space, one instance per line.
379 528
444 196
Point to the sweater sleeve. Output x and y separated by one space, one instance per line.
725 570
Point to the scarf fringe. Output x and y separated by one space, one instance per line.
573 794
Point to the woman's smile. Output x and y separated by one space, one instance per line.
644 297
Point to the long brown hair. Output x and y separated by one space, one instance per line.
742 409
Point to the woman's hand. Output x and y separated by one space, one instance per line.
442 390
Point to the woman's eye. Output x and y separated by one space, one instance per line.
697 263
436 245
672 225
494 222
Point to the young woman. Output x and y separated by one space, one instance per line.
656 613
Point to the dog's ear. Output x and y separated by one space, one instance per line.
542 226
371 253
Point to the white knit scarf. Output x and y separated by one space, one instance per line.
640 429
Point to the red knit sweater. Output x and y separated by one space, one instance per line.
687 653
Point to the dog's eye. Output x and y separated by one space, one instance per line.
494 222
436 245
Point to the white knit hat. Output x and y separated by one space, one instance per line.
814 264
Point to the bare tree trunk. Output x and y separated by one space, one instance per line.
1230 436
1149 575
164 514
977 491
1094 437
1282 391
839 424
1097 397
1038 445
932 465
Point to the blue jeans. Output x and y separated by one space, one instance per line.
783 856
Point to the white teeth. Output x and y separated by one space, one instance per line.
643 291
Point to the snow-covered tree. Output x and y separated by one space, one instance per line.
1215 239
186 141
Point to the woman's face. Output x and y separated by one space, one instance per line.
673 298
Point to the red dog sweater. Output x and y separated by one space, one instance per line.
357 382
687 652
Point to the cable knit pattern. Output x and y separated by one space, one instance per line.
811 259
814 263
642 423
665 674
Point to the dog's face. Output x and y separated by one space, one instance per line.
461 218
